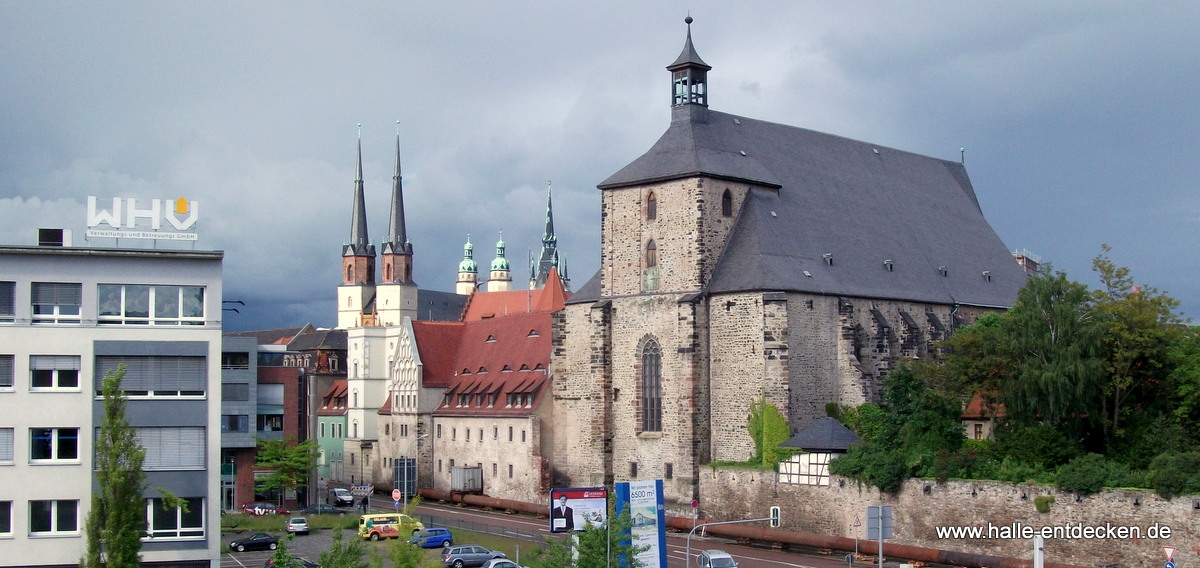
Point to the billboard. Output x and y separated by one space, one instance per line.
129 219
647 517
574 508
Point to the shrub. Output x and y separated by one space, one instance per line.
1042 503
1172 475
1084 475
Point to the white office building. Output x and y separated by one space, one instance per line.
67 316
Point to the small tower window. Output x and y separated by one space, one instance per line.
651 207
727 204
651 255
349 274
387 272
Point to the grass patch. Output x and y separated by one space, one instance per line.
276 523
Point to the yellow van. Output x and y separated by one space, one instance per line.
387 525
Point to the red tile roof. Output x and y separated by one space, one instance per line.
976 410
497 358
329 401
437 343
488 305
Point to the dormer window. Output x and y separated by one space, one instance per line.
491 339
533 333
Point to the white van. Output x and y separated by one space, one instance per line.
340 497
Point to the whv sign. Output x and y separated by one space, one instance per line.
126 220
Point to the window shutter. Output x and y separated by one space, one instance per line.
54 362
6 444
7 305
155 373
172 448
57 293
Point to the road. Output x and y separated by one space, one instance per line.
528 528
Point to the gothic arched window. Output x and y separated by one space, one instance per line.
727 204
651 255
349 274
651 387
651 207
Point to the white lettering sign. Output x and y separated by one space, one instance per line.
180 214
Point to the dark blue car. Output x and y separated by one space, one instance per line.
432 538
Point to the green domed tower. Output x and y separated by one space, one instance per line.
468 270
499 277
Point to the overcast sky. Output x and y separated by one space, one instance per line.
1079 120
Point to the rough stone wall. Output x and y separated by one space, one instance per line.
661 318
581 392
483 441
748 358
729 494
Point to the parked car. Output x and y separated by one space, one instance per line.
468 555
322 509
500 563
340 496
715 559
297 525
256 541
263 508
295 563
432 538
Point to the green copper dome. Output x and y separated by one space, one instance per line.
468 263
500 263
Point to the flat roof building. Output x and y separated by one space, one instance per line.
68 315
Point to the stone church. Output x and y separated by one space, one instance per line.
741 258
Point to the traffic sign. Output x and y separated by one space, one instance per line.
396 495
1170 552
1170 565
857 522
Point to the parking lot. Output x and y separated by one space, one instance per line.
307 546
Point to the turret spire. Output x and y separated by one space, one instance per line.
359 241
397 251
549 256
689 83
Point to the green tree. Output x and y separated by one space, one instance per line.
1056 345
343 553
404 554
289 463
555 553
117 520
605 547
768 428
1140 326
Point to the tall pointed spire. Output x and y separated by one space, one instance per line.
397 251
359 241
549 257
689 83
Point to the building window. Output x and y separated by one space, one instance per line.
142 304
6 371
56 302
670 471
53 444
5 518
156 376
8 311
439 466
6 446
481 434
651 254
451 464
387 429
174 522
241 423
979 431
510 471
322 435
522 436
495 469
54 371
173 448
727 204
355 434
50 517
651 207
454 433
633 470
495 432
235 392
651 387
439 430
272 423
510 432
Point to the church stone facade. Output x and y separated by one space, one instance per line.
741 258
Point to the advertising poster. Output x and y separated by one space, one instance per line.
649 527
573 508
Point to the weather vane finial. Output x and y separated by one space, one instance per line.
360 130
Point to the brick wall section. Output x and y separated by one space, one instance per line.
739 494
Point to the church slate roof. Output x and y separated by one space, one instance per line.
817 194
824 435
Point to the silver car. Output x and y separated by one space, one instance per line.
715 559
297 525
